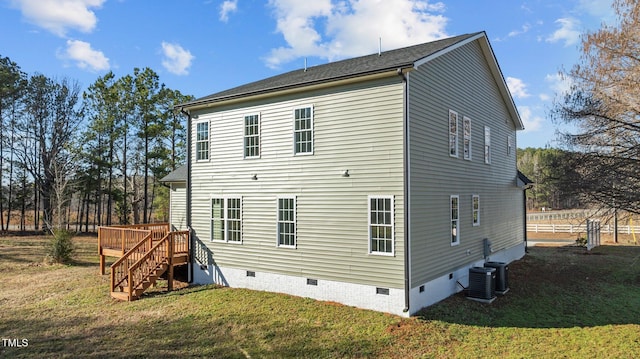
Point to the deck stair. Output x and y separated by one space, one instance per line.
142 264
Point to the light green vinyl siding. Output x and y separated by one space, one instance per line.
178 203
460 81
356 127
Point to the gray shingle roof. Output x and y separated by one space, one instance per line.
177 175
349 68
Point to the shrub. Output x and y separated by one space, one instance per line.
581 241
61 248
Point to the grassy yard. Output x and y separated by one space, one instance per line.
563 302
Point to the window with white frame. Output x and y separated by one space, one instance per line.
226 219
381 228
487 145
466 128
303 130
287 221
475 205
202 141
453 133
455 219
252 136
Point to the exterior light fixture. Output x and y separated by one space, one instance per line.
254 177
345 173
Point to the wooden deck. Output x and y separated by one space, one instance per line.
144 252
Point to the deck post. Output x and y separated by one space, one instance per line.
100 253
170 257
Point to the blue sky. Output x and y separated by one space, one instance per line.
203 46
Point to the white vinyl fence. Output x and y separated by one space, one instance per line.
578 228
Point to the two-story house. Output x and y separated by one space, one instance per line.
371 181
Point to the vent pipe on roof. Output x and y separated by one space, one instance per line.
305 64
380 46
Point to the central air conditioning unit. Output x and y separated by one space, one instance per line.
482 284
502 276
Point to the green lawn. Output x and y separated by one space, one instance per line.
563 302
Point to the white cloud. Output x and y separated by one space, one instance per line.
84 56
567 32
524 29
531 122
598 8
517 88
176 59
352 27
544 97
226 8
560 84
58 16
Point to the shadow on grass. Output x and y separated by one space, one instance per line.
557 287
155 329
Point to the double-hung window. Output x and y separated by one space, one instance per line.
381 225
226 219
466 128
202 141
475 205
287 222
303 130
455 220
487 145
453 133
252 136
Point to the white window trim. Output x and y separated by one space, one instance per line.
195 147
473 210
225 219
457 242
393 225
313 145
244 137
487 145
466 137
455 154
295 222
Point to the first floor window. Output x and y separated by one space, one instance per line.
226 219
381 224
475 205
455 220
287 221
202 141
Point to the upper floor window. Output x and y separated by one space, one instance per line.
487 145
381 224
303 130
453 133
252 136
202 141
466 128
287 221
455 220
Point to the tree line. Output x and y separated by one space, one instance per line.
86 158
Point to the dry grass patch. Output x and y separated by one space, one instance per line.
562 303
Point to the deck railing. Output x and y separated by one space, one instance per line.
146 265
122 238
120 268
